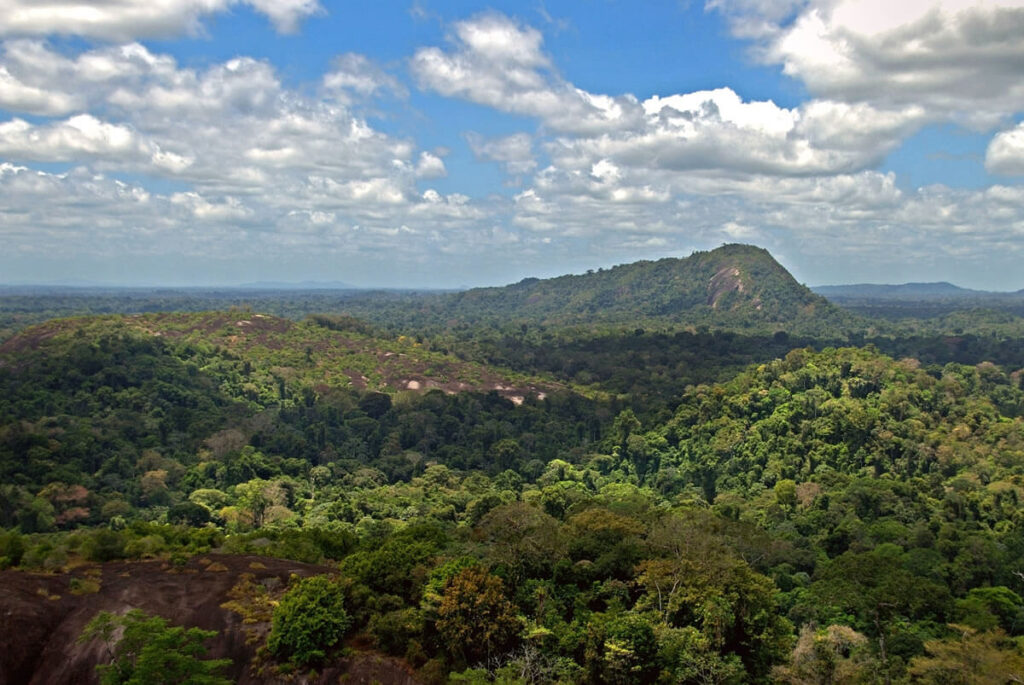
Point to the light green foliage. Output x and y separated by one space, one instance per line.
970 658
147 650
985 608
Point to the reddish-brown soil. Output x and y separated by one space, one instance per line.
41 619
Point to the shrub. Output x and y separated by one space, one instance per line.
310 619
104 545
147 649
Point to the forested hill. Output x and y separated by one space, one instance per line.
829 512
259 358
734 286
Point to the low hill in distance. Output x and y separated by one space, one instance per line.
931 301
903 291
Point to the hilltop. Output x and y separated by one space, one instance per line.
739 287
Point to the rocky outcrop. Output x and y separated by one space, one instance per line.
41 618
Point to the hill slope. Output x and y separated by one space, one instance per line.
734 286
321 352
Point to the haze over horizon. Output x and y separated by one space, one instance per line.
431 144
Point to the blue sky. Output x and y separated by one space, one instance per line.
443 144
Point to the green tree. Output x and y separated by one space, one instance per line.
625 423
522 538
147 650
310 619
475 619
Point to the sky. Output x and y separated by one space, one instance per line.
429 143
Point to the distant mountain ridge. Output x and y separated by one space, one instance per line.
300 285
905 291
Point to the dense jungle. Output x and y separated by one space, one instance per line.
683 471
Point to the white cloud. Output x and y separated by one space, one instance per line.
286 15
256 165
126 20
430 166
230 208
17 96
356 74
821 222
1005 154
262 164
741 232
231 127
717 133
700 167
82 136
959 59
500 64
514 152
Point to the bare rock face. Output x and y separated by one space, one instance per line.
726 280
41 618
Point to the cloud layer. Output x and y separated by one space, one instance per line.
127 20
117 149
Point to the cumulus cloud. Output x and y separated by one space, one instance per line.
499 63
1005 154
17 96
250 164
127 20
231 126
514 153
229 208
703 167
958 59
286 15
261 163
821 222
430 166
79 137
718 133
359 76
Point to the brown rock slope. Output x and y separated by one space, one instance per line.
41 618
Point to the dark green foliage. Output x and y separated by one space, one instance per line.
147 650
104 545
12 549
985 608
399 564
309 621
626 650
188 513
